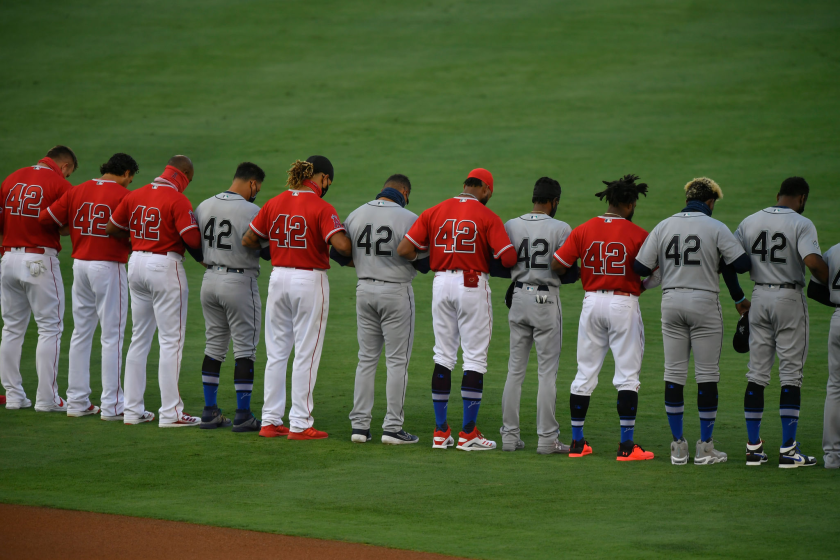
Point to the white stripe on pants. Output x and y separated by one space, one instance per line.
158 287
100 295
295 316
42 295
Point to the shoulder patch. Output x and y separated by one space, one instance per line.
336 222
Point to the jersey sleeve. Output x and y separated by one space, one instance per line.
329 222
183 215
418 234
58 211
728 245
120 216
649 253
740 237
565 232
497 237
260 223
569 252
808 244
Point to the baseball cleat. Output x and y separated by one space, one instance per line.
2 400
755 454
558 447
25 403
518 445
579 448
244 421
92 409
791 457
308 433
629 451
442 440
679 452
212 418
270 430
60 407
399 438
474 441
706 454
147 417
112 417
360 436
185 421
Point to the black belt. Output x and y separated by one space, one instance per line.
375 280
784 286
234 270
540 288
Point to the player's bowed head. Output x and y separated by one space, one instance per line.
622 196
65 158
794 194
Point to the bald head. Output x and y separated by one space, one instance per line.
183 164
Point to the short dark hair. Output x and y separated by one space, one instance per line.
399 179
118 164
794 186
473 182
623 191
249 172
63 152
546 190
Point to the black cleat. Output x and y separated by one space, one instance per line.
398 438
244 421
360 436
212 418
755 454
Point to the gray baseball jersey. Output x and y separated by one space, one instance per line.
832 259
831 416
688 247
536 236
777 239
223 220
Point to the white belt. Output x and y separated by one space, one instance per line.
170 254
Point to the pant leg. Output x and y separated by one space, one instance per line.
310 297
111 289
397 309
548 338
216 327
16 313
627 341
243 310
445 320
169 296
279 341
792 335
676 339
593 343
371 341
84 325
46 299
475 323
521 340
762 337
831 419
706 330
142 334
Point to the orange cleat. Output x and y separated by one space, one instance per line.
274 431
308 433
629 451
579 449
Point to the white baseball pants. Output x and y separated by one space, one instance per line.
609 322
31 284
461 316
100 295
295 317
158 286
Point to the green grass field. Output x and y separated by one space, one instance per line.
745 92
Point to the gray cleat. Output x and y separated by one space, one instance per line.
557 447
244 421
517 446
212 418
679 452
706 454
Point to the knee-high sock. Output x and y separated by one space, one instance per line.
707 405
578 405
472 385
626 404
789 411
441 386
210 378
243 381
674 408
753 411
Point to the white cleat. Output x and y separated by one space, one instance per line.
474 441
92 409
706 454
26 403
61 407
443 440
112 417
147 417
185 421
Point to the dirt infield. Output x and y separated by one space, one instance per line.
33 532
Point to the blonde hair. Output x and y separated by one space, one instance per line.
703 189
299 172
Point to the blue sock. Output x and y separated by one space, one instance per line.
210 391
674 408
626 404
578 405
210 369
789 412
472 386
441 386
243 382
753 411
707 405
440 412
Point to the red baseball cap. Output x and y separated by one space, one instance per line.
483 175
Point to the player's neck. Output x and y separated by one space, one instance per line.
119 179
614 211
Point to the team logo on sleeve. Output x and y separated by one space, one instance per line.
193 221
336 222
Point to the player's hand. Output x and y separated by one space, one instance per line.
743 307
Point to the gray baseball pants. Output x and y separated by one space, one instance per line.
831 420
540 324
232 309
384 316
778 326
692 320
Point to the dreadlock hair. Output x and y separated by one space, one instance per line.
702 189
623 191
794 186
118 164
299 172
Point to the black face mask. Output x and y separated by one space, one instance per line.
253 197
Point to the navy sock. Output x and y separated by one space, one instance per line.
441 386
753 411
210 378
472 385
707 405
674 408
243 381
626 404
578 404
789 412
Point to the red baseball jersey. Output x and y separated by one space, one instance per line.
298 225
24 194
156 216
461 234
86 208
607 247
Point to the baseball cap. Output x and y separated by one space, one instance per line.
741 340
320 164
483 175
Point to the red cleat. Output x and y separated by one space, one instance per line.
2 400
274 431
629 451
308 433
442 440
579 449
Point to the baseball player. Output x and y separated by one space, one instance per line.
535 317
161 224
100 286
230 296
689 248
300 226
830 295
384 306
781 243
32 278
610 317
462 235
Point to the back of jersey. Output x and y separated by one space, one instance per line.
535 236
375 229
24 194
777 239
832 259
223 221
687 248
